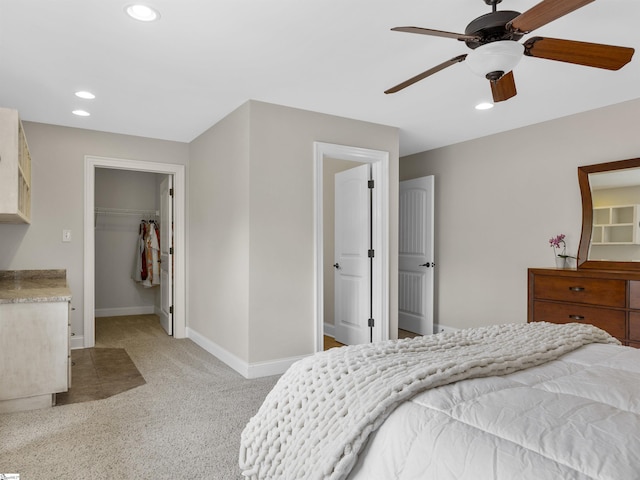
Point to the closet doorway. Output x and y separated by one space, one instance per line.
115 213
379 165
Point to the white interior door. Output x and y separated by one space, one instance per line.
415 251
352 269
166 254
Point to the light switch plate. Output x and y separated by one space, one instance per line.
66 235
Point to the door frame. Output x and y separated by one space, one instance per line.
179 221
379 161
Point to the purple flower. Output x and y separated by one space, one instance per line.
557 240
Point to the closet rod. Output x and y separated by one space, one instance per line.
127 211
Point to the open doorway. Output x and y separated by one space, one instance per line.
177 174
379 162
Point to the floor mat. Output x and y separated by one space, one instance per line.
98 373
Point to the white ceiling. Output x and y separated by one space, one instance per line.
175 78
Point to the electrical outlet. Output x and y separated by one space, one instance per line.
66 235
443 329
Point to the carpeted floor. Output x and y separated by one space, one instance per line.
185 422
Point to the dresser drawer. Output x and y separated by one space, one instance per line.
634 294
634 326
592 291
611 321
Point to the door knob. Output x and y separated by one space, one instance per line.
337 265
432 264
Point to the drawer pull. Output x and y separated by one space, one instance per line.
576 289
576 317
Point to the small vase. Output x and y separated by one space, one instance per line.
561 262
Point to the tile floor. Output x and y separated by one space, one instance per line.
99 373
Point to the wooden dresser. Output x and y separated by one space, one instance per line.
607 299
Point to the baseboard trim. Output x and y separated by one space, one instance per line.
77 341
329 330
437 328
120 312
247 370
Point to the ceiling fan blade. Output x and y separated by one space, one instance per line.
581 53
435 33
543 13
504 88
426 73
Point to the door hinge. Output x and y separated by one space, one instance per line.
171 192
372 253
372 322
170 250
171 309
370 183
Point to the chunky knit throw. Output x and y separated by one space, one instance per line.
317 418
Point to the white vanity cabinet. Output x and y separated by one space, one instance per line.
15 170
34 343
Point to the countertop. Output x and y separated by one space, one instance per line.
31 286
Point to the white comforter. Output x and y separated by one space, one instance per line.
577 417
318 417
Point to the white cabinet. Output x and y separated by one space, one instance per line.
34 338
616 225
34 354
15 170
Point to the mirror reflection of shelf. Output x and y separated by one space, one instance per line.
616 225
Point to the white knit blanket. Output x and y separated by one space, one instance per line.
317 418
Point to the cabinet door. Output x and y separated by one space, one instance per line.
34 349
15 170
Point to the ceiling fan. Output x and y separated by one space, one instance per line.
493 37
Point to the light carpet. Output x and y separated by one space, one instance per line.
185 422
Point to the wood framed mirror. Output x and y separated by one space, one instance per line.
610 238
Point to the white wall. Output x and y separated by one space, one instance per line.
282 222
57 202
116 240
218 274
500 198
252 220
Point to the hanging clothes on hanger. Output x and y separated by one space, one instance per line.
147 259
140 265
152 244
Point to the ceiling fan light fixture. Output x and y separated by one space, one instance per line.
492 60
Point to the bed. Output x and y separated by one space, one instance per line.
527 401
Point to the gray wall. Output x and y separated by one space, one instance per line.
58 198
257 219
218 199
499 199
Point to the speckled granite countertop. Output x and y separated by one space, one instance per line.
30 286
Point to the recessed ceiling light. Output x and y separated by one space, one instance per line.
81 113
484 106
142 13
86 95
